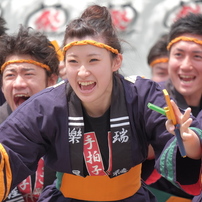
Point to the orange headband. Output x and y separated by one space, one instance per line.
183 38
160 60
25 61
58 50
90 42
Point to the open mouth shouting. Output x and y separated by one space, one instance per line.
20 98
87 86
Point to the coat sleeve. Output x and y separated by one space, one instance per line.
20 150
183 172
29 133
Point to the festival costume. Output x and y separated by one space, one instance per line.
159 185
30 188
56 130
196 111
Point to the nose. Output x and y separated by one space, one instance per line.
186 64
83 71
19 82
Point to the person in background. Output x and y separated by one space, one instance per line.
157 59
3 30
94 128
185 76
29 63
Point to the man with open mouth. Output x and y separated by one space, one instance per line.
29 64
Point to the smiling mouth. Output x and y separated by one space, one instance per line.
187 79
87 85
20 98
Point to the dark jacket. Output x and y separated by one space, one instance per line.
41 126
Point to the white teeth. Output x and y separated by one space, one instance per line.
187 81
86 83
21 95
186 77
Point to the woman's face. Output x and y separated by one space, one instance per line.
185 68
89 71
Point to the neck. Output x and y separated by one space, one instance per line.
193 100
96 110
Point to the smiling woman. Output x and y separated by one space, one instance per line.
92 74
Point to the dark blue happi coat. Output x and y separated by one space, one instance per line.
40 127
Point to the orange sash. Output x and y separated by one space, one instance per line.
178 199
102 188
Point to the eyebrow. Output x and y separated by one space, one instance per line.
161 68
178 49
197 51
194 51
89 55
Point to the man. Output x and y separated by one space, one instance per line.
29 64
185 77
157 59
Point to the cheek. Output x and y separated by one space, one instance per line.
36 86
70 74
197 67
173 65
6 86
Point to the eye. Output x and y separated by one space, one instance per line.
8 75
198 56
72 61
177 54
29 74
162 74
93 60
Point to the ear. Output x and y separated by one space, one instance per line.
117 62
52 80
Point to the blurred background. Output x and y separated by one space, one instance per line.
139 22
